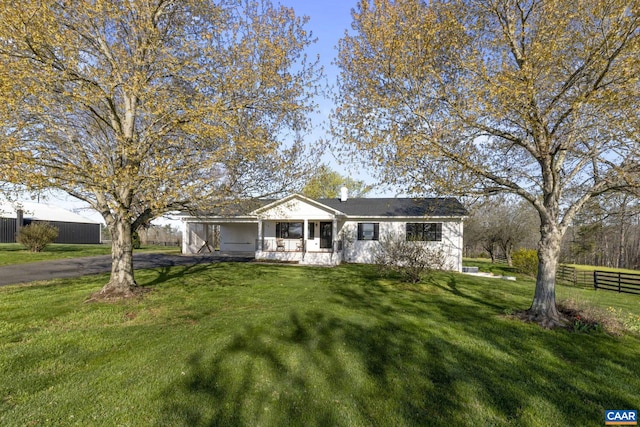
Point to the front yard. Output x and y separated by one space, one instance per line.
15 253
254 344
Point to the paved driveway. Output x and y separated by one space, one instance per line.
76 267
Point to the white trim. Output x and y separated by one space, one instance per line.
404 218
220 220
302 199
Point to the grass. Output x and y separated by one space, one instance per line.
582 267
257 344
14 253
485 264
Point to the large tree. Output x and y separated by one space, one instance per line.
139 107
530 97
326 183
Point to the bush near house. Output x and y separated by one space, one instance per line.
37 235
411 259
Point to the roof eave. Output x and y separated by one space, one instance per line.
301 198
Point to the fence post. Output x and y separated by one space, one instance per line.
619 280
595 279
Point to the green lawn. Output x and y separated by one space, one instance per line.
14 253
255 344
582 267
502 268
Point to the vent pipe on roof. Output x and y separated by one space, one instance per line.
344 194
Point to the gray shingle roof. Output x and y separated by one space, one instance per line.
394 207
360 207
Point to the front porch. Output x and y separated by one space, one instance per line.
303 258
297 250
306 241
294 229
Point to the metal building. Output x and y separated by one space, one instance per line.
73 228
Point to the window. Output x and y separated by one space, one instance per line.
424 231
312 231
368 230
289 230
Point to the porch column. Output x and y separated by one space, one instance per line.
260 238
334 234
186 237
305 235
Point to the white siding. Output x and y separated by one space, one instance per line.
295 209
194 236
363 251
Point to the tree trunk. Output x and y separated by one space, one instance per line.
121 283
508 251
491 249
543 310
621 235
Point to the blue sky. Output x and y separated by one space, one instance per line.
328 21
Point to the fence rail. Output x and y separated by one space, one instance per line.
606 280
628 283
572 276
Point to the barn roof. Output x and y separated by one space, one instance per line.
42 212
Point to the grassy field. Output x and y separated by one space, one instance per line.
14 253
255 344
582 267
486 265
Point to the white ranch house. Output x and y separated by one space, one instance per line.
326 231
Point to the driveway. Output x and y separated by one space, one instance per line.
76 267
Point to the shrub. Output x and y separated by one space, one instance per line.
525 261
411 259
37 235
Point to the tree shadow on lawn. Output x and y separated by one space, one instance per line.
392 360
195 272
484 296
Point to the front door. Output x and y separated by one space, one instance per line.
326 235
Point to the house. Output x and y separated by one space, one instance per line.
72 228
326 231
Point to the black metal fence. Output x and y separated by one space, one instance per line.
7 230
598 279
